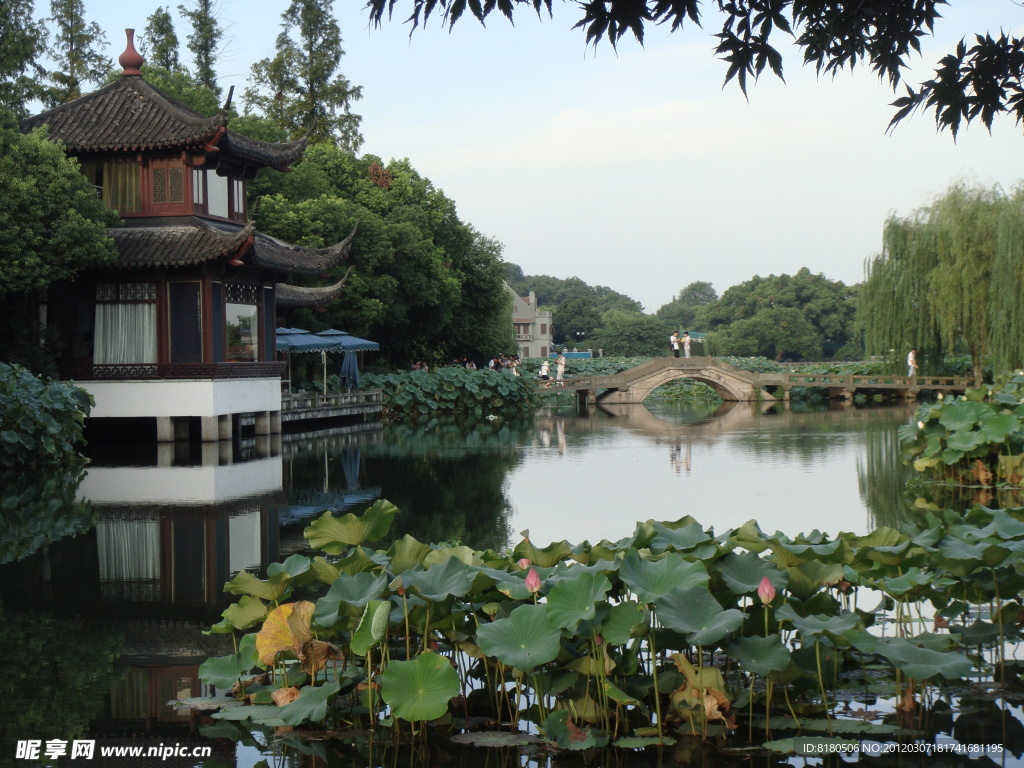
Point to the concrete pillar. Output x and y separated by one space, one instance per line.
262 422
165 454
210 429
224 427
211 453
164 429
275 422
787 393
181 427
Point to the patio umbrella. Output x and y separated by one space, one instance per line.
350 370
347 341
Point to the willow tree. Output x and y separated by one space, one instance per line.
948 280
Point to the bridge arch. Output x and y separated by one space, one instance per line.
634 385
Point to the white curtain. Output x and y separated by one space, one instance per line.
125 333
129 550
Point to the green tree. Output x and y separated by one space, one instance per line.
828 306
159 42
980 82
300 87
630 334
949 280
22 41
76 50
680 314
574 321
775 332
51 222
51 226
423 284
205 40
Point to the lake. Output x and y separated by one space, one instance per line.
117 606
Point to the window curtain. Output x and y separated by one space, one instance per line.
121 186
125 334
129 550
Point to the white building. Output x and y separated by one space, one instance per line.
532 325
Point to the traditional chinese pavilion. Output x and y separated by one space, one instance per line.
182 327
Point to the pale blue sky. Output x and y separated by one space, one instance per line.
636 169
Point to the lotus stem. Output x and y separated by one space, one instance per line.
654 676
792 712
821 684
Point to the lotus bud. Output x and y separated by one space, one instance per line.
524 563
938 396
920 425
766 591
533 581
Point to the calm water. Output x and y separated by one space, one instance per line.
111 597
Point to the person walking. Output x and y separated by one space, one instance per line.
673 341
686 343
912 363
560 367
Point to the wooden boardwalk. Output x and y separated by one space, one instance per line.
735 384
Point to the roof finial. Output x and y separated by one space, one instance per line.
131 59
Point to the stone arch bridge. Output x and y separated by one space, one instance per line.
735 384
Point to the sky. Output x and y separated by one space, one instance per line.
635 169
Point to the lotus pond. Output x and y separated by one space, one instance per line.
468 599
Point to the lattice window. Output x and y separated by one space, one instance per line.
242 293
126 292
159 185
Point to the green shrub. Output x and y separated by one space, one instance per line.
451 391
41 421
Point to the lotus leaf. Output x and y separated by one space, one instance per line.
570 602
311 706
334 534
420 689
977 633
624 621
438 582
639 742
687 537
281 633
962 415
924 663
995 429
494 738
324 571
835 627
695 612
690 689
560 728
407 553
372 627
898 586
546 557
524 640
749 536
760 655
261 714
807 578
246 612
225 671
295 566
462 553
742 572
651 579
244 583
352 591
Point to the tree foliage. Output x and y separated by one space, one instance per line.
300 87
159 42
424 284
22 41
76 50
980 82
820 323
51 222
206 39
630 334
680 314
950 280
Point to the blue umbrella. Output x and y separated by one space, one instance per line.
350 370
347 341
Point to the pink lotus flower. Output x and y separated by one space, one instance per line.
766 591
524 563
533 581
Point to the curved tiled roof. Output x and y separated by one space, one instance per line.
128 114
296 297
271 253
178 245
132 115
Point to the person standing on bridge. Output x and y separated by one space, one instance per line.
686 344
673 341
912 363
560 367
